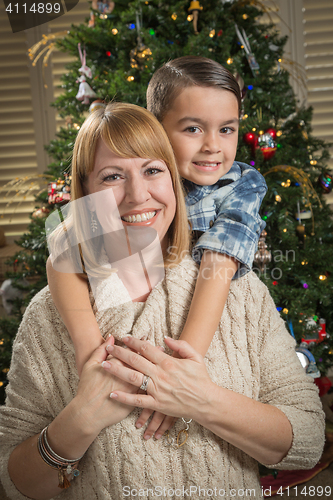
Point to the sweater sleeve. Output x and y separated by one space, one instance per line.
28 408
284 384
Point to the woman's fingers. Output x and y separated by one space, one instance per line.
116 367
139 400
146 349
134 359
101 353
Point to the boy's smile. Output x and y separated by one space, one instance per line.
202 126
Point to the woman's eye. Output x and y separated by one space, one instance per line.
111 177
153 171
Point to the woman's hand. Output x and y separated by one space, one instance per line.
93 395
176 387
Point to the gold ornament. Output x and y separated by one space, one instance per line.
262 255
300 230
140 55
302 178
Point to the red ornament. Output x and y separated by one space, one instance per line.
250 138
220 33
108 53
265 142
272 132
275 283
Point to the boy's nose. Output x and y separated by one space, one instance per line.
211 144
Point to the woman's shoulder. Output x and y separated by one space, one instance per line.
41 313
250 283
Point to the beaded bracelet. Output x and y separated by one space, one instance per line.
62 465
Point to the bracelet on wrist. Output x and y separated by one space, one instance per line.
62 465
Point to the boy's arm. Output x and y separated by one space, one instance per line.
209 298
71 297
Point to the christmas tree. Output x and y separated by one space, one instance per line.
124 44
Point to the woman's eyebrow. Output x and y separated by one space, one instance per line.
114 167
122 169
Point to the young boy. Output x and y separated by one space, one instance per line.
198 102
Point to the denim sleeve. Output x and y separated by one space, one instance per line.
237 227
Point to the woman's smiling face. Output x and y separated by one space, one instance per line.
142 190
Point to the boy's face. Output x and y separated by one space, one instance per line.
202 126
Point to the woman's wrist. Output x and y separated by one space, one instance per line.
71 432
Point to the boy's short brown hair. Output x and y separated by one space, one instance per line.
174 76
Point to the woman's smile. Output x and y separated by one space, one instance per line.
145 218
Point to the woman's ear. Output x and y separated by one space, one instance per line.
90 202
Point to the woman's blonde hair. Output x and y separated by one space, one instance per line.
130 132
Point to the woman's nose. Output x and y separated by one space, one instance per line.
137 191
211 143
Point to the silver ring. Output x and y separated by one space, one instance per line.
144 385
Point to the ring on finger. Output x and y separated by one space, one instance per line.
144 385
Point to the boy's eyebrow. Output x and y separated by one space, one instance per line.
203 122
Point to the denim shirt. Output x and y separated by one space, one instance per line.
225 216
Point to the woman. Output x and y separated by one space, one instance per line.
249 400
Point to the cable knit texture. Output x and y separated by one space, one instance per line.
251 353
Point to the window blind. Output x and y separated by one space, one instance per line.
17 136
318 43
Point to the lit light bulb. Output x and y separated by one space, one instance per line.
230 60
114 31
174 16
130 78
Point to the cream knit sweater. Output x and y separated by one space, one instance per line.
251 353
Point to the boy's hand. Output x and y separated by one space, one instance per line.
158 424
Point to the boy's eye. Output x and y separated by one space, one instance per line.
192 130
227 130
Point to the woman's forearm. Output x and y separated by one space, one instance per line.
72 431
67 437
260 430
